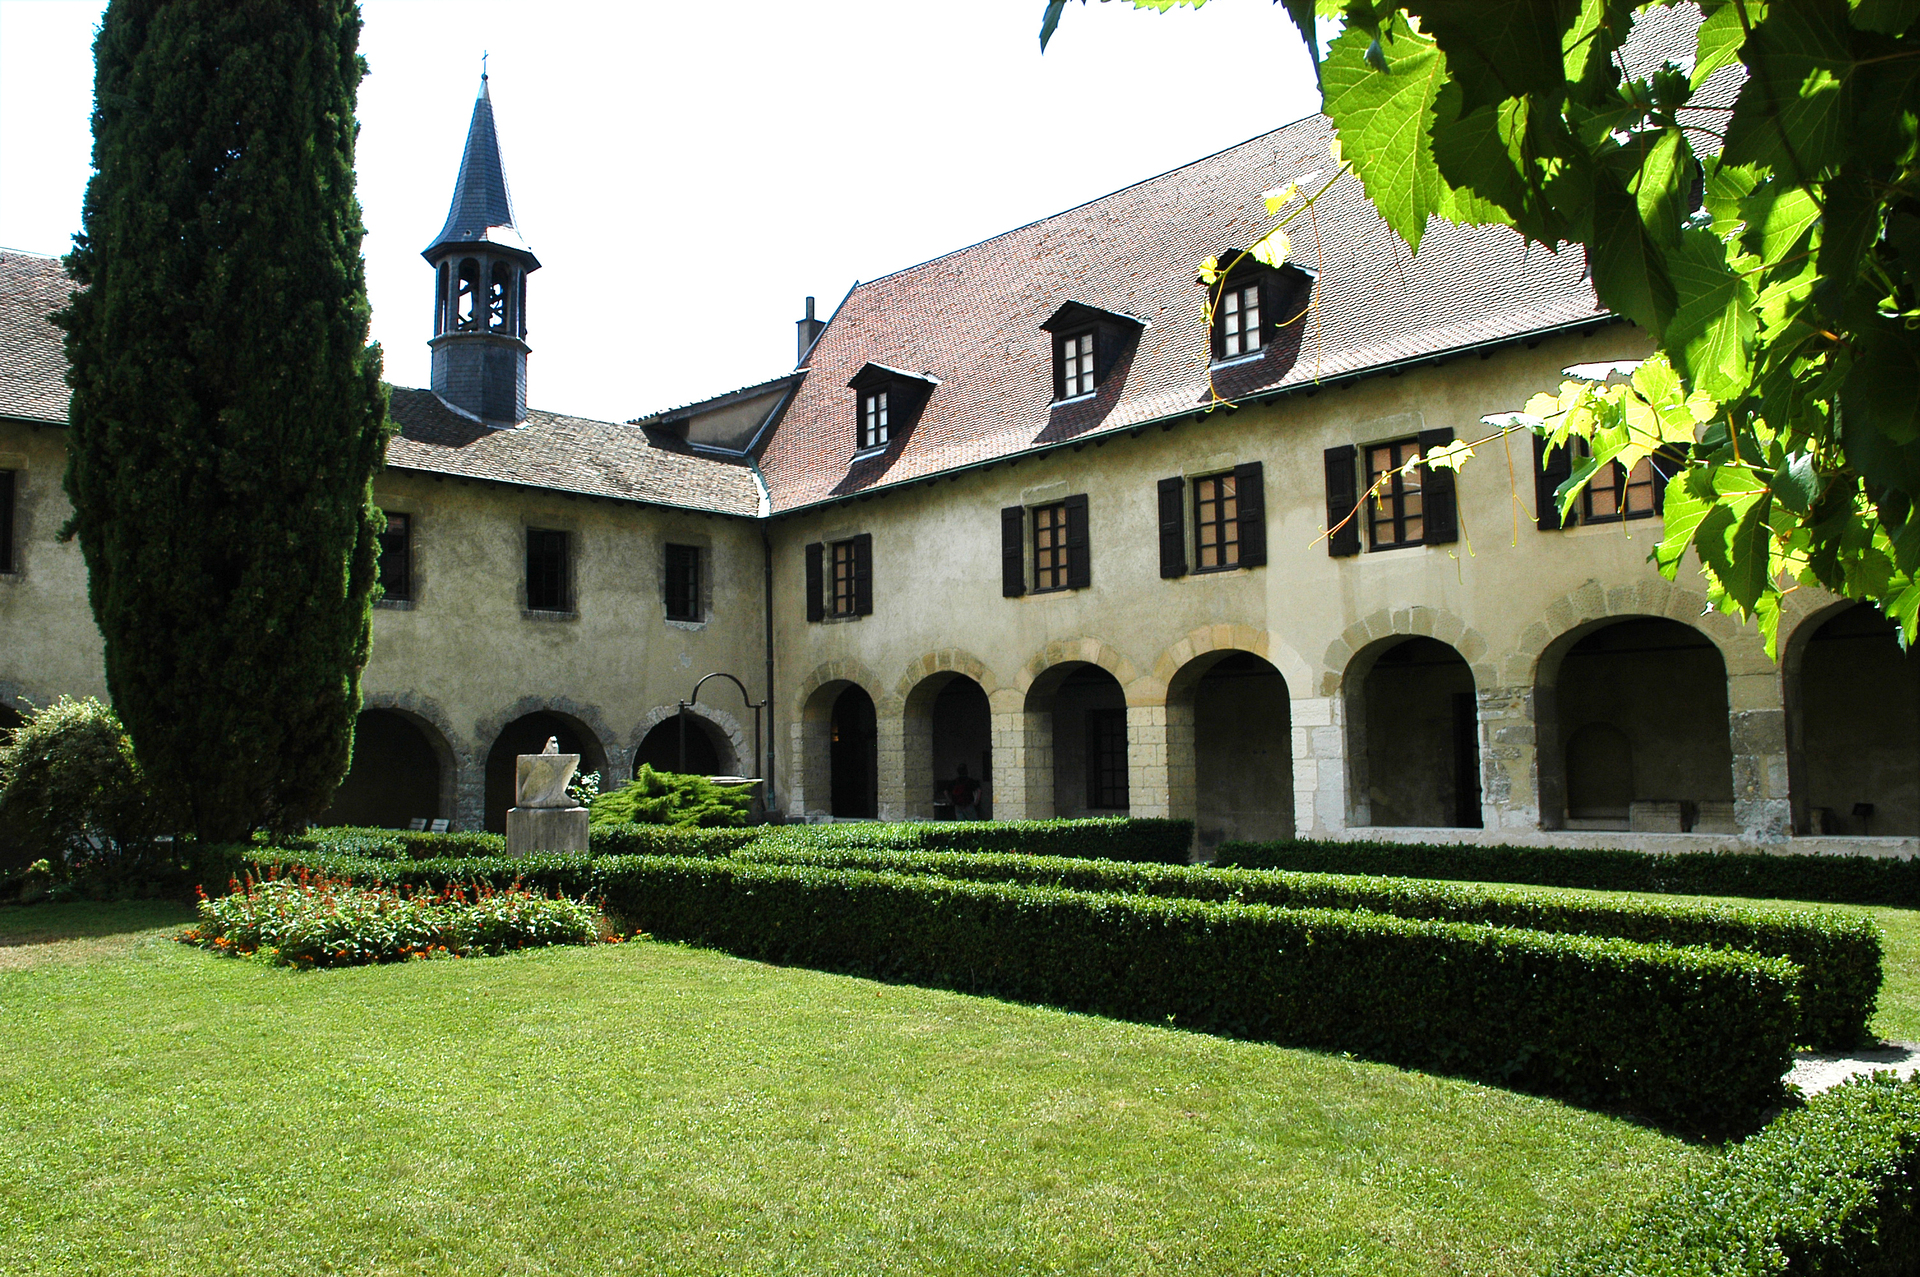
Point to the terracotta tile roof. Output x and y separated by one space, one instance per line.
566 454
972 318
33 367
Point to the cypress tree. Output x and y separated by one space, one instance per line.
227 410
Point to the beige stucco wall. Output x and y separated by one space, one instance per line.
1504 596
48 643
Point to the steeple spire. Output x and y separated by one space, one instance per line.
482 208
480 285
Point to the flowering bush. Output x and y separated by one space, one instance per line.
311 920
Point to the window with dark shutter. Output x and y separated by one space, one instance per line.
816 582
1237 327
1073 365
863 575
1396 512
843 598
1173 527
1013 551
1216 523
7 482
396 558
547 571
1343 520
683 583
1551 466
1250 486
1079 553
1049 547
1443 518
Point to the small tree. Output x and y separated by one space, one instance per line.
665 798
71 792
227 411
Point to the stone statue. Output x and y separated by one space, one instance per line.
544 816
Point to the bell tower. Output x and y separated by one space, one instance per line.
480 267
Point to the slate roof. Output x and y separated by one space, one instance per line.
972 318
33 367
566 454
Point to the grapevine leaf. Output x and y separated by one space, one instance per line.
1792 114
1888 17
1272 249
1630 273
1777 215
1502 48
1881 387
1383 122
1682 511
1721 36
1714 321
1795 485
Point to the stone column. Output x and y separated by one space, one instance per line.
1757 726
469 792
1160 777
916 760
1509 755
1022 758
890 759
1319 766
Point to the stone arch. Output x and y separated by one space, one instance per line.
1413 740
1685 754
942 727
722 728
1581 609
599 748
15 697
1381 630
810 786
1226 728
384 786
1853 723
1071 652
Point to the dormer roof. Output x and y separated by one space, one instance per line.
482 208
1073 315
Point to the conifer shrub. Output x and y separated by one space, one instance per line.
306 919
1855 880
668 798
1840 955
1823 1190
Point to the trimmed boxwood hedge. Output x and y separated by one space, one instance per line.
395 844
1136 840
1826 1189
1851 880
1839 954
1682 1034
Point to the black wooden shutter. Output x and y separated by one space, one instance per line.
816 582
1250 493
1343 520
1013 549
1173 527
1551 466
863 574
1079 559
1439 507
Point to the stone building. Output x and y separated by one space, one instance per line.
1022 509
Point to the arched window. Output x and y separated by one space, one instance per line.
467 300
442 277
499 291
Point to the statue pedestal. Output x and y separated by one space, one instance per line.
546 829
544 818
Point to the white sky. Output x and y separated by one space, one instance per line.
688 173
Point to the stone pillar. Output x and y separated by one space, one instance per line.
1319 766
916 758
1509 756
1022 758
1160 778
1757 726
890 760
469 792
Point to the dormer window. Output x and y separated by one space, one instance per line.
874 429
1087 343
1075 358
886 402
1237 321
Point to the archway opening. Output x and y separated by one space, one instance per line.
1242 750
1420 765
1859 729
529 735
1635 713
1083 714
396 776
959 745
709 753
853 755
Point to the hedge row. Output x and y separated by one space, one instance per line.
1141 840
1683 1034
1827 1189
1859 880
395 844
1839 954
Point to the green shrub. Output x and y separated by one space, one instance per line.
1839 954
71 793
395 844
1826 1189
313 920
666 798
1145 839
1858 880
668 840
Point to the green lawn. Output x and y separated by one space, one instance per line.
649 1108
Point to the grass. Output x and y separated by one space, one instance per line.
651 1108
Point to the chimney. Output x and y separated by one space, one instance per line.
809 333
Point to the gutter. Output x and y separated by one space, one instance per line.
1168 421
